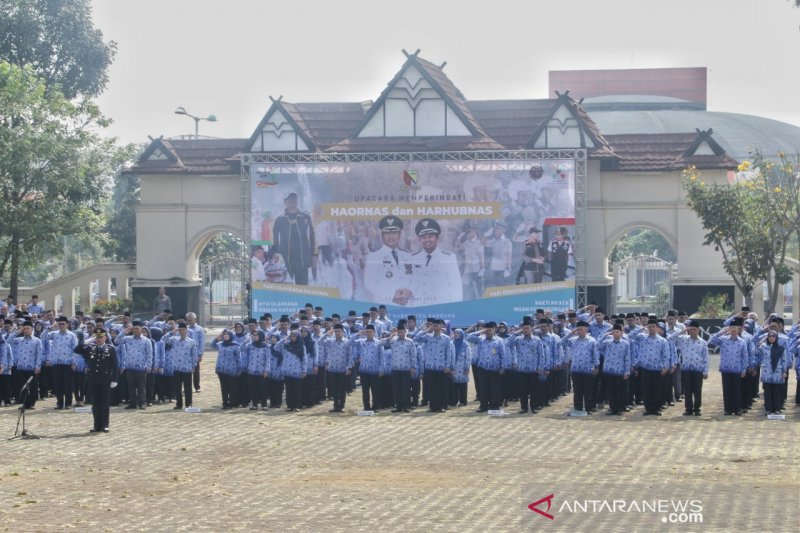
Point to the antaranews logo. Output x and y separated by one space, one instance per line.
534 506
671 511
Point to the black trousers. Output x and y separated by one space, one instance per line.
101 404
196 377
309 393
242 390
31 395
293 392
527 386
62 378
227 386
615 392
460 393
183 380
275 392
321 380
773 397
338 388
476 381
692 385
370 383
165 385
583 392
5 388
258 390
387 392
491 388
437 390
79 387
137 387
45 382
416 385
652 389
732 392
401 383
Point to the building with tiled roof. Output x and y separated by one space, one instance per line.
636 148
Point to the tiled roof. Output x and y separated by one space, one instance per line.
666 152
511 123
191 156
329 123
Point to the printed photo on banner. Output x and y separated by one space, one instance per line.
428 235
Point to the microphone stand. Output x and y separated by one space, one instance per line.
24 392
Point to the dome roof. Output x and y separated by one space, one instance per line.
738 134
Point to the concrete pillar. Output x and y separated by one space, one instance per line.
738 298
86 296
104 287
69 303
778 304
123 287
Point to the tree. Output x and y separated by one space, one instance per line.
58 40
642 242
52 162
754 222
121 223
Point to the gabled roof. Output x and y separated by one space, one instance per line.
328 123
290 113
668 152
440 83
190 156
589 133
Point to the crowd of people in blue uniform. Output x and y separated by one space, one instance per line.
307 358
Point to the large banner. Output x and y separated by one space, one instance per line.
462 241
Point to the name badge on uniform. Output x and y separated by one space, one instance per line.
494 351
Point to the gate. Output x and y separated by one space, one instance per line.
223 291
642 284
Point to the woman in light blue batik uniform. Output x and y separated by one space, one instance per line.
259 356
293 351
228 366
309 393
275 377
458 395
774 370
242 388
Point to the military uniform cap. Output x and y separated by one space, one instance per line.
390 223
427 226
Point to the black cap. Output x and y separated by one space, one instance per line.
338 326
534 230
370 326
672 312
582 324
427 226
745 308
540 311
137 323
62 319
616 327
390 223
692 324
181 325
572 314
490 325
630 315
652 320
738 321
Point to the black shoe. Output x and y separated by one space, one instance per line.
523 411
397 410
671 404
58 407
697 413
334 410
177 407
105 430
406 411
130 406
141 407
93 430
687 413
481 410
738 413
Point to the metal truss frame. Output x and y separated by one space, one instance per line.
337 162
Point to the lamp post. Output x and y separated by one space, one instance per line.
209 118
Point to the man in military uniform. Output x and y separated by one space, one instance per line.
560 249
294 239
387 270
436 278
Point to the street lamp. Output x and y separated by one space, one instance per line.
209 118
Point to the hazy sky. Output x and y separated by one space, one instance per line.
228 57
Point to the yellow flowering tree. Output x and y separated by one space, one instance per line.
753 222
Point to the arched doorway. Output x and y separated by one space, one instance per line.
642 264
221 269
